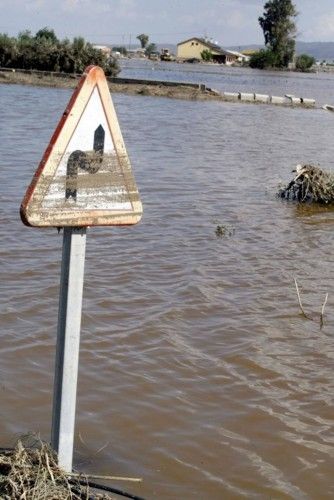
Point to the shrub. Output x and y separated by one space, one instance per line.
263 59
304 62
206 55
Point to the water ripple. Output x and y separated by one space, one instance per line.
197 369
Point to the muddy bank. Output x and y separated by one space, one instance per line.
158 88
182 91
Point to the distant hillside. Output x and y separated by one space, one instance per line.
320 50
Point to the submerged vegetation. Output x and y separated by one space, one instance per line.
223 230
310 184
44 51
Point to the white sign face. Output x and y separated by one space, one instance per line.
85 176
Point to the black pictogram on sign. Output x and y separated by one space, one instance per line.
87 162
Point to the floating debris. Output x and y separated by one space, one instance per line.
310 184
328 107
224 230
30 472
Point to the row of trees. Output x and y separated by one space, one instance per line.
44 51
279 30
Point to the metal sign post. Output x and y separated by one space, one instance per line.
68 342
84 179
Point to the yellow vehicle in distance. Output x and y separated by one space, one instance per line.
165 55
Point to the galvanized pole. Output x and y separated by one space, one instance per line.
68 342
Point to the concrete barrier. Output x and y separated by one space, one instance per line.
246 97
262 98
279 100
300 100
308 102
232 96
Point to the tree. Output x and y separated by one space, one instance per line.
47 35
24 36
8 50
143 40
151 47
279 30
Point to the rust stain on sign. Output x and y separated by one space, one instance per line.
85 176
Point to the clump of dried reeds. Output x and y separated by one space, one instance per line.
30 472
310 184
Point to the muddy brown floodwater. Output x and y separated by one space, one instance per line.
198 371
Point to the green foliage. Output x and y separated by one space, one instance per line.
263 59
47 35
8 50
143 40
279 30
304 62
24 35
46 53
206 55
150 48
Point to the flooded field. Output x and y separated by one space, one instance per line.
317 85
198 371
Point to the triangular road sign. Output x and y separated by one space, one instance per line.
85 177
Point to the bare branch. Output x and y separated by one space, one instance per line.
300 302
114 478
323 311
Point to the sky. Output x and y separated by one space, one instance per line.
118 22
